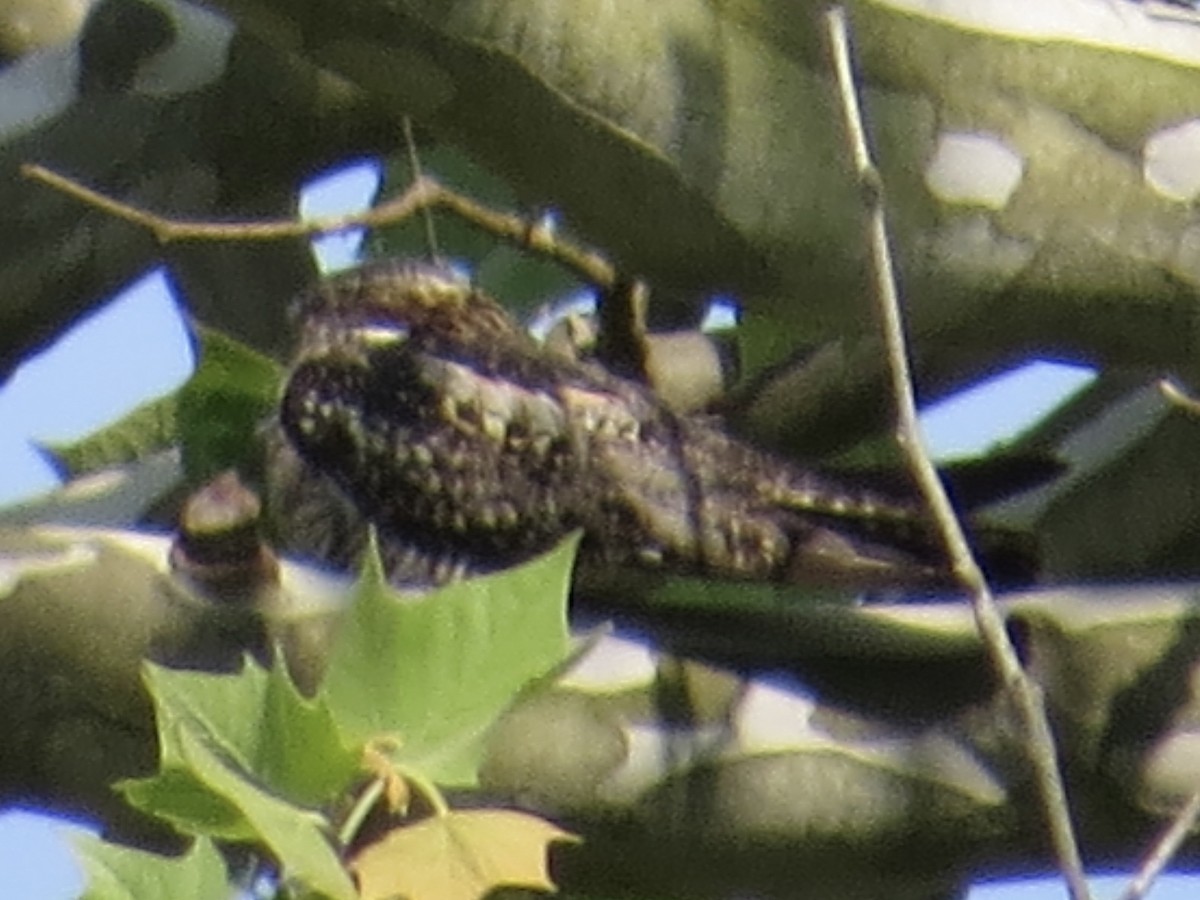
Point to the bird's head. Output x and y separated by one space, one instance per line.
383 304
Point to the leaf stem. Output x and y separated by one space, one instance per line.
426 789
359 812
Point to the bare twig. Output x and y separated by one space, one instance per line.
415 173
1026 694
1164 850
423 194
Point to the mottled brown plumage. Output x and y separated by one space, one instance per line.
429 412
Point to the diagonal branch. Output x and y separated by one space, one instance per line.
423 194
1025 692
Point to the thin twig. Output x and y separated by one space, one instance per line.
1164 850
1026 694
415 174
423 194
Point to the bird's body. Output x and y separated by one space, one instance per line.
471 447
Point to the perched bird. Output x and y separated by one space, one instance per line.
415 402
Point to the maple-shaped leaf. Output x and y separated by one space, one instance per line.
432 674
122 873
294 836
459 856
260 722
245 757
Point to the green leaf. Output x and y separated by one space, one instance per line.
222 407
148 429
216 416
178 796
258 720
435 672
121 873
282 747
295 837
242 757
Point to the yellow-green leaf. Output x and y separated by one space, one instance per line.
459 856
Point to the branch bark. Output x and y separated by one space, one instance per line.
891 738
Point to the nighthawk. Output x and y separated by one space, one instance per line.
427 411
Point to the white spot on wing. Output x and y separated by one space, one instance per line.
974 169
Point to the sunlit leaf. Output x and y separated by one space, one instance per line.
459 856
121 873
296 837
243 757
260 721
435 672
177 795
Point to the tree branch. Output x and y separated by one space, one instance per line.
423 194
1003 655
